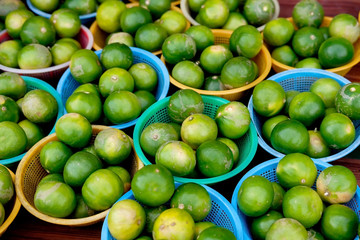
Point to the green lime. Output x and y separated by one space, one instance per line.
285 55
238 72
336 184
8 6
120 37
82 7
12 85
309 63
7 185
234 21
279 193
82 210
150 37
153 185
39 30
197 129
213 83
45 5
201 226
156 7
259 12
278 32
88 87
33 132
326 89
195 5
346 26
62 51
173 22
261 225
34 56
317 146
66 22
306 41
15 20
255 196
113 146
337 130
53 156
178 47
8 53
184 97
329 111
116 55
108 15
290 136
214 57
289 97
202 36
268 98
217 233
246 41
85 103
214 13
286 228
74 130
233 119
270 124
146 99
133 18
233 147
52 177
72 40
347 100
145 77
189 73
308 13
325 32
9 110
130 110
123 174
156 134
335 52
312 234
115 79
55 199
85 66
232 4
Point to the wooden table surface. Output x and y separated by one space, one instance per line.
26 226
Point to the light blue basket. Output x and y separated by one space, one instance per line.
301 80
222 214
268 170
68 84
87 18
158 113
31 84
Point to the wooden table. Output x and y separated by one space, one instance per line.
28 227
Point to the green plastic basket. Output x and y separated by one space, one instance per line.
158 113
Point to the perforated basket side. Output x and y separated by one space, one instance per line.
268 170
222 214
301 80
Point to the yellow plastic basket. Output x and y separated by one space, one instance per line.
100 35
263 61
13 207
30 172
343 70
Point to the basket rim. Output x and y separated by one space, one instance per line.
48 15
345 68
263 52
186 11
24 163
296 72
60 112
152 110
95 26
164 72
212 192
14 211
84 30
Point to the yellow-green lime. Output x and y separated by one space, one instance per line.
12 85
33 132
173 22
62 51
145 77
8 53
34 56
308 13
120 37
278 32
15 20
66 22
115 79
202 36
108 15
188 73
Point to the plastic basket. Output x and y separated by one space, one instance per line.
68 84
30 172
34 83
343 70
53 73
301 80
262 60
100 35
268 170
12 209
222 214
87 18
158 113
184 5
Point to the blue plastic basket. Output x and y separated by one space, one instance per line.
158 113
31 84
268 170
222 214
87 18
68 84
301 80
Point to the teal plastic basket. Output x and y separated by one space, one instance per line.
268 170
158 113
86 18
301 80
31 84
67 84
222 214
